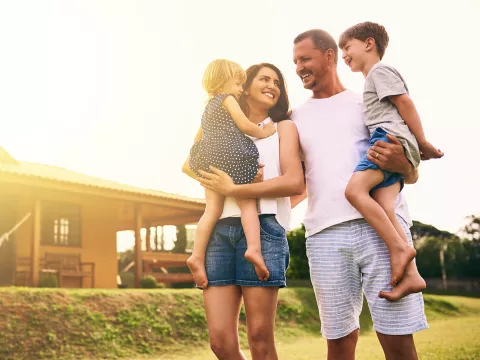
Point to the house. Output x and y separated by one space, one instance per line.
51 219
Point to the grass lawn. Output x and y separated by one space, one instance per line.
456 338
454 334
170 324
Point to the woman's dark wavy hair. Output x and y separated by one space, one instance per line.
281 110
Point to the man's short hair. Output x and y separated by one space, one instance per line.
321 39
366 30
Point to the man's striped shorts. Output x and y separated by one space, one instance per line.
346 260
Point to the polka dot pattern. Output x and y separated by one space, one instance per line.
223 145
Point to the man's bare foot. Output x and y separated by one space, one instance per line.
428 151
197 268
399 261
256 258
411 283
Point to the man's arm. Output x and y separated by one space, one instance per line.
391 157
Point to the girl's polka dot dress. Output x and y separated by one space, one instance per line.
223 145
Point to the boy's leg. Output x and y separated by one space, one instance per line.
251 228
411 282
358 194
336 280
196 261
393 321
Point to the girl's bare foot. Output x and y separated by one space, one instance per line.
399 261
411 283
197 268
256 258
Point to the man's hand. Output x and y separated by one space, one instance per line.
391 157
217 180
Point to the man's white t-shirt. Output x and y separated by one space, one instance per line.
333 138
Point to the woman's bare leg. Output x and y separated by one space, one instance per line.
222 307
260 308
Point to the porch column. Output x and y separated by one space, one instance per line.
147 238
138 247
35 253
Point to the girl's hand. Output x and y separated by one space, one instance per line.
217 180
269 129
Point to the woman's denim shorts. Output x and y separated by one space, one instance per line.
225 257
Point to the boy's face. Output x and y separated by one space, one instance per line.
354 54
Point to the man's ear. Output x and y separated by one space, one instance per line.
330 57
369 44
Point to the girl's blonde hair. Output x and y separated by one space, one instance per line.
218 72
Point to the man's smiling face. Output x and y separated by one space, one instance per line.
311 64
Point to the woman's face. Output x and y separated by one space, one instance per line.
265 89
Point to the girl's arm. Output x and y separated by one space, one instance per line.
242 122
291 182
186 165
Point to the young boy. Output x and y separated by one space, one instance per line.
388 109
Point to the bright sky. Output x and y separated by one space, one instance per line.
113 88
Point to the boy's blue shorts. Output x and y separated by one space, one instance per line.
390 178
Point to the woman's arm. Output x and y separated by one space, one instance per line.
291 182
186 165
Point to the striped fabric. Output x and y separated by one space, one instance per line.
344 260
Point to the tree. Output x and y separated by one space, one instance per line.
427 235
181 242
298 268
472 232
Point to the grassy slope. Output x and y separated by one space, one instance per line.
36 324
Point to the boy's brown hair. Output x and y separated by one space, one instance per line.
366 30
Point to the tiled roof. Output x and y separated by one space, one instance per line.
58 174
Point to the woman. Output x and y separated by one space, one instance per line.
230 276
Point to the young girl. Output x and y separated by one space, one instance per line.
222 142
388 110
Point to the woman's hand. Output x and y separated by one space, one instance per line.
391 157
217 180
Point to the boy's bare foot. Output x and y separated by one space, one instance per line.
197 268
256 258
428 151
399 261
411 283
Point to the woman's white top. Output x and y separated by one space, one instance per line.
269 150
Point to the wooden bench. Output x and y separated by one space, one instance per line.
164 260
70 266
23 270
171 277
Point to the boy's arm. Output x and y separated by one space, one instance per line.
186 165
408 112
242 122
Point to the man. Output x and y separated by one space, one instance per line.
346 256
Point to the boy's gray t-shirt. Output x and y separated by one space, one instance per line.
383 81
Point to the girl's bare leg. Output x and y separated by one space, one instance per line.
196 261
251 227
358 194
